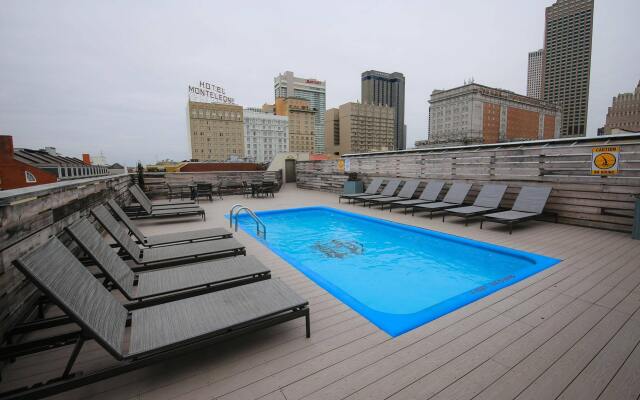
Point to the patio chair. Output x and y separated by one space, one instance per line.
168 283
204 189
488 201
267 188
156 333
246 189
528 205
429 195
178 191
167 238
455 197
148 257
372 189
388 191
407 192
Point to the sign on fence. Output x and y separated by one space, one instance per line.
605 160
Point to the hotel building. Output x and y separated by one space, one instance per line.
567 62
302 122
216 131
314 91
359 128
475 114
265 134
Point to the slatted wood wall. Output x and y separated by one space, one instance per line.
577 197
29 217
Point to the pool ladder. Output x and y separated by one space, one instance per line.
238 208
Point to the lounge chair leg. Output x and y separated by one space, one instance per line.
466 221
510 228
307 318
430 214
443 217
481 221
74 355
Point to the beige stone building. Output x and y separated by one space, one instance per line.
216 131
359 128
624 113
301 122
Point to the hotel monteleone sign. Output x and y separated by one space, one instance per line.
207 92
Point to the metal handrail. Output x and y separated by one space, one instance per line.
233 208
257 219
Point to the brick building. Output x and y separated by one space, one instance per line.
25 167
216 131
475 114
302 123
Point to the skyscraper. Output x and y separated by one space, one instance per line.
567 65
287 85
385 89
534 74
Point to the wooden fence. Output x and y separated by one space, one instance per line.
578 197
29 217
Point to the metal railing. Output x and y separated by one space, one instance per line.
238 208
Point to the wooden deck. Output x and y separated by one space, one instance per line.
569 332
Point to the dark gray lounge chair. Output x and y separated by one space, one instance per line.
150 257
406 193
143 195
145 209
167 238
528 205
454 198
388 191
488 201
372 189
146 204
429 195
156 333
169 283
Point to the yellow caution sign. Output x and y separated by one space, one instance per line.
341 165
605 160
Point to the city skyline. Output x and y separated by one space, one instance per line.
94 85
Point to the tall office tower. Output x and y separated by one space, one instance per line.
313 90
567 65
385 89
624 113
534 74
216 131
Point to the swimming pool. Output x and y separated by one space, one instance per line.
397 276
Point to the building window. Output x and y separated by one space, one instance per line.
29 177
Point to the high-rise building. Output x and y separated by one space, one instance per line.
216 131
476 114
567 65
385 89
313 90
302 122
359 128
624 113
534 74
265 134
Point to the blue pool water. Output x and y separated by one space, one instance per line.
397 276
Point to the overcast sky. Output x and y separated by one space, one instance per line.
112 76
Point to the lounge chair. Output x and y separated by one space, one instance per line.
528 205
407 192
150 257
145 203
388 191
372 189
167 238
429 195
142 194
455 197
145 209
488 201
168 283
156 333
